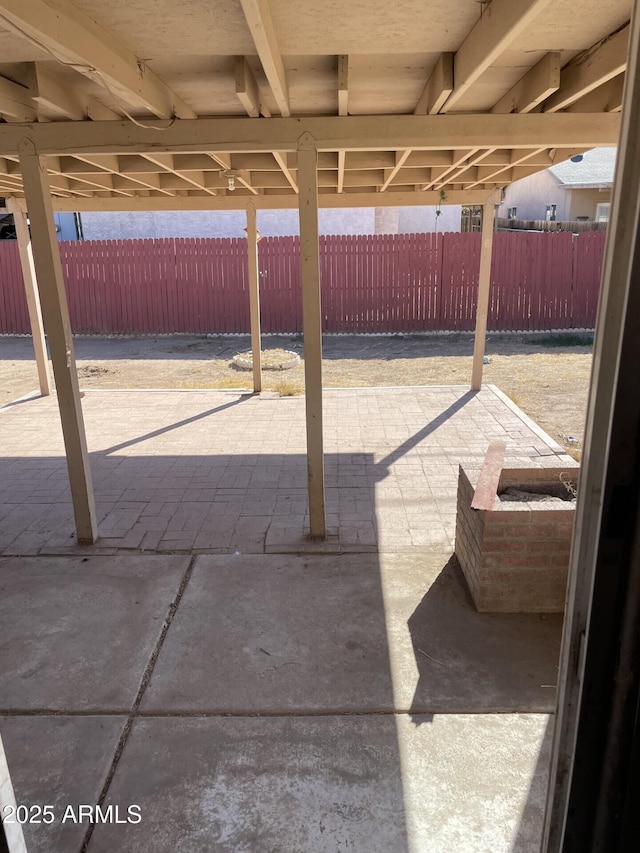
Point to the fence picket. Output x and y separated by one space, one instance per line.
370 283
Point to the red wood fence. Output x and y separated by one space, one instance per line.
381 283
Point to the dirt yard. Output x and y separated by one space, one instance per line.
546 375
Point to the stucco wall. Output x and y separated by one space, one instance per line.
584 202
532 195
271 223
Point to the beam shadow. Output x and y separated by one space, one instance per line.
426 431
170 427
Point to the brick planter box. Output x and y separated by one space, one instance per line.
515 556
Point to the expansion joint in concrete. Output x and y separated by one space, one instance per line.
133 713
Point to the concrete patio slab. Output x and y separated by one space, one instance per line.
302 702
58 761
77 633
445 656
358 633
471 784
276 633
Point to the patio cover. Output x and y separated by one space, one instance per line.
205 104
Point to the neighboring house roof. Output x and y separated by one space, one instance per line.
594 170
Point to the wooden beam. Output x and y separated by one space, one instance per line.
438 87
482 306
501 22
312 327
74 38
55 314
57 96
96 111
165 162
111 164
260 23
465 169
35 85
332 133
342 158
262 202
244 178
401 159
281 160
537 85
247 89
16 101
33 297
461 159
254 298
343 85
489 173
222 159
592 69
605 99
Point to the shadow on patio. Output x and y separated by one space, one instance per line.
259 701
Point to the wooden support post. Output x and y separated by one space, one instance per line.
312 328
254 297
33 297
55 313
482 307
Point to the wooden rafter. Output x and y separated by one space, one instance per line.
593 69
461 159
57 96
501 22
258 17
35 85
536 86
70 36
490 173
16 101
401 158
165 161
248 91
343 85
281 160
342 159
438 87
113 165
605 99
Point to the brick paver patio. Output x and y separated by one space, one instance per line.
220 472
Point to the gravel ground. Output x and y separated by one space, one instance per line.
546 375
